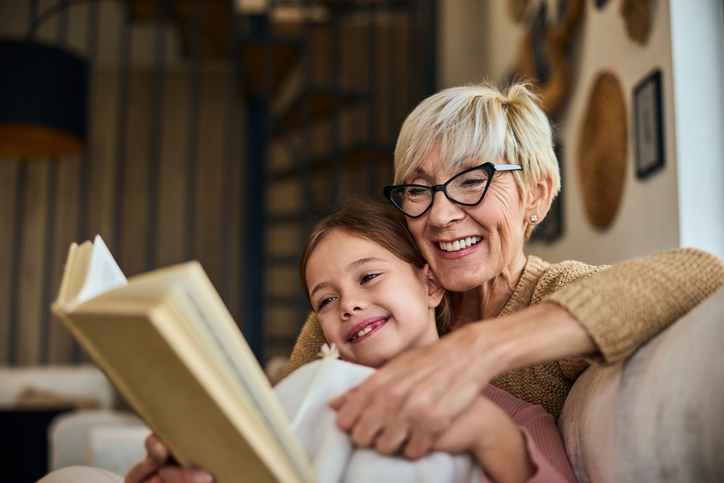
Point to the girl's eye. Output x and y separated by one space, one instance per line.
324 302
369 277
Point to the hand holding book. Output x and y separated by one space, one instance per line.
157 466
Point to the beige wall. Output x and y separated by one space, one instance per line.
648 217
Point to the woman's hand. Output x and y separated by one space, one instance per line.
414 397
485 430
411 400
156 467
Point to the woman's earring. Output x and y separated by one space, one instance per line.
533 218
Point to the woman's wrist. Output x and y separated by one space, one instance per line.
531 336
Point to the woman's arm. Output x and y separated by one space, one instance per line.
416 396
623 307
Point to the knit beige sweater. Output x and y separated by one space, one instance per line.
621 307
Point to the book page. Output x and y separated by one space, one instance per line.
103 275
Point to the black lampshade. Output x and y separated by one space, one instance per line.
43 101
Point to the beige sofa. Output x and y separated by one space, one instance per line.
659 415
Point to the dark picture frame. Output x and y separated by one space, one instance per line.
648 125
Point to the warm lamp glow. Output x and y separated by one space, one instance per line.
43 101
36 141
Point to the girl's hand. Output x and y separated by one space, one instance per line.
155 468
485 430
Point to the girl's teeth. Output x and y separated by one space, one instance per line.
362 332
459 244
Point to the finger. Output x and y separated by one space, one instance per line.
177 474
419 444
384 411
337 402
351 407
157 449
378 396
142 470
393 439
365 430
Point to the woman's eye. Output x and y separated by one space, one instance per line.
324 302
369 277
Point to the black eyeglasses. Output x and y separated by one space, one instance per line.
466 188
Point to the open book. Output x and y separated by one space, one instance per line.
169 345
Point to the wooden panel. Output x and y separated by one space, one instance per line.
237 223
212 130
283 239
66 231
135 203
172 202
320 42
104 104
283 281
32 263
8 187
284 197
282 321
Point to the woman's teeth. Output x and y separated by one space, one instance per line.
459 244
362 332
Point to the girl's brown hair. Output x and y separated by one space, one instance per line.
379 224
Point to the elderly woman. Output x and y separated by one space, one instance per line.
475 173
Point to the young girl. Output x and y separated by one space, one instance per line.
375 298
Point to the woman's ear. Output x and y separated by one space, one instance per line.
539 199
435 292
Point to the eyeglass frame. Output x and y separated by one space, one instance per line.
488 167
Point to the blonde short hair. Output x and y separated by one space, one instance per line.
480 121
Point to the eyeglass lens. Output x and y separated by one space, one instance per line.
466 188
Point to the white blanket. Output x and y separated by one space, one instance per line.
304 396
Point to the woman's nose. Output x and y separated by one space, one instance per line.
443 211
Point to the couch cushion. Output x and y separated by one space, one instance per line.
659 416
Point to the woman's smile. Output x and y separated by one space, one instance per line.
457 248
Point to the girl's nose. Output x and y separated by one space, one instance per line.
443 211
351 304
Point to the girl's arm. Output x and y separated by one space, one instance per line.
514 441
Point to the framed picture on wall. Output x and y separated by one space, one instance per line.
648 125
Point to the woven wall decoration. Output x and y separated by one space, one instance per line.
544 53
602 151
517 8
638 17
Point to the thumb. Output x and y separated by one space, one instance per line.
339 401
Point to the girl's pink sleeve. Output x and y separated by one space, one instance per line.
543 441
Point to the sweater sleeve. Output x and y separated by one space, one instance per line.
542 439
627 304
